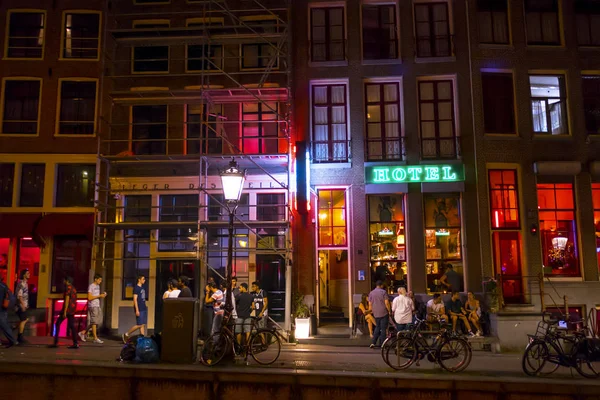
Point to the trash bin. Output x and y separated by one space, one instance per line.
180 330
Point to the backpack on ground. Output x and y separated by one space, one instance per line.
9 301
128 350
146 351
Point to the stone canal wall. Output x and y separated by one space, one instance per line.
49 382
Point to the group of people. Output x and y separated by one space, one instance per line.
378 311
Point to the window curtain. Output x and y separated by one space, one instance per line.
338 116
392 124
538 111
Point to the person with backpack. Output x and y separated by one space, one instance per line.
6 298
68 313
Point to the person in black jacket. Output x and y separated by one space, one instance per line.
4 327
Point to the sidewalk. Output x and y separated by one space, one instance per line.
293 359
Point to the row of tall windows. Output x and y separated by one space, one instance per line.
22 110
74 185
27 35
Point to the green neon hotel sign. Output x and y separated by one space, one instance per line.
415 173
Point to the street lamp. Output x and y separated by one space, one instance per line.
232 180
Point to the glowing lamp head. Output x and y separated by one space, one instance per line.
232 180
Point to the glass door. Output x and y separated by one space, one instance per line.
507 257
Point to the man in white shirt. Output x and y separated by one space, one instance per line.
402 310
172 291
436 312
94 310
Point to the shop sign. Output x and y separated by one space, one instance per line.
415 173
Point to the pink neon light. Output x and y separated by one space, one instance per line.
497 220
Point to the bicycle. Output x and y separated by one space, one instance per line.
556 347
263 345
410 346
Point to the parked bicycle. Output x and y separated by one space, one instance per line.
452 352
263 345
550 348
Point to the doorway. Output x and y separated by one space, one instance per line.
270 272
172 269
333 287
507 258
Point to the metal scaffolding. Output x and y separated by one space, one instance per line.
190 88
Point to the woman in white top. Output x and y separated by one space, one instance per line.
172 291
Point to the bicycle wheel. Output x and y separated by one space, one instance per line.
454 355
400 353
265 347
535 357
586 367
214 349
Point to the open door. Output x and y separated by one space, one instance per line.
333 287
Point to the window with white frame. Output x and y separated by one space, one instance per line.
81 35
25 34
151 59
492 16
549 104
77 114
206 56
541 19
380 31
587 17
383 136
330 142
21 106
432 29
436 119
327 34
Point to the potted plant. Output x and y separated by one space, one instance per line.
492 294
302 317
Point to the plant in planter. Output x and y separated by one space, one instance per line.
302 317
492 294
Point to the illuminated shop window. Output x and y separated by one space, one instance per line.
332 218
387 236
504 200
558 228
596 197
443 239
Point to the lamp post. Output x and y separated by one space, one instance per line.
232 180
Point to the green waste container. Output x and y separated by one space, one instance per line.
180 330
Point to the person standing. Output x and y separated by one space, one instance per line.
451 279
172 291
379 304
215 297
243 305
22 293
402 309
68 313
140 308
4 326
260 304
184 283
234 287
94 310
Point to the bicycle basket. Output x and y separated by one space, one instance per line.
542 330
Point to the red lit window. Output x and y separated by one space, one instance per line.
558 228
383 121
596 198
332 218
436 114
330 128
260 129
504 199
